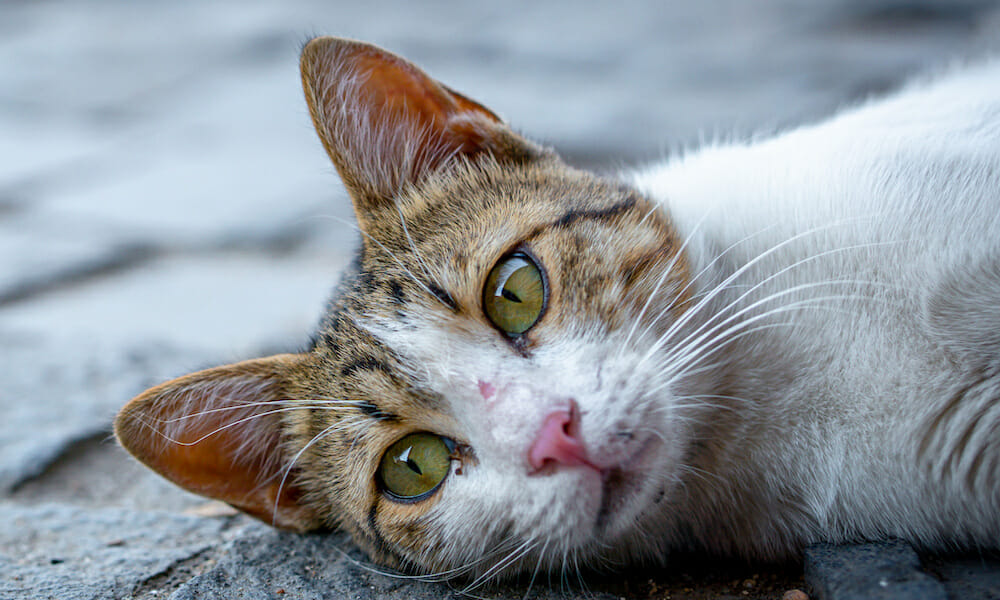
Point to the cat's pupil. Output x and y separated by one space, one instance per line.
509 295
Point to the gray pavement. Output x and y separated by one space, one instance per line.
164 205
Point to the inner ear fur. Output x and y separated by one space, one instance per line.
386 124
218 433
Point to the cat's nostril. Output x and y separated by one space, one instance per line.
558 441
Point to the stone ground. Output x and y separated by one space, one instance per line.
164 206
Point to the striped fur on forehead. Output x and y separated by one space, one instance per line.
438 241
378 380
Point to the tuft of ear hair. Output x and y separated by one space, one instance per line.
218 433
386 124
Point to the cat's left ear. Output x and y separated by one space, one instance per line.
219 433
386 124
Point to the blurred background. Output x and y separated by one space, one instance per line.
165 204
160 180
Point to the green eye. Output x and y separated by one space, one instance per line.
415 466
514 294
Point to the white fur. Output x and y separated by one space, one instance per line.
900 196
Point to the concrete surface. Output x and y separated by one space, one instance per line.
891 570
164 206
883 571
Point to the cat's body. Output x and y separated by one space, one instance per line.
744 350
874 409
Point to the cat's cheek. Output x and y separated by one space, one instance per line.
640 494
407 528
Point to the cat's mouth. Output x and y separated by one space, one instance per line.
621 484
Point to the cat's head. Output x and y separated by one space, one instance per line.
485 390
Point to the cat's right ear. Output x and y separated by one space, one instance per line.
386 124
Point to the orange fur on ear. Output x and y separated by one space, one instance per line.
385 123
218 433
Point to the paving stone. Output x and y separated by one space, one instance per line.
98 473
880 571
201 172
61 552
230 304
68 362
33 257
57 394
968 577
266 564
210 139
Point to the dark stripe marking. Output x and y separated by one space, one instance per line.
396 291
329 340
367 281
443 296
372 410
598 215
367 363
377 540
575 215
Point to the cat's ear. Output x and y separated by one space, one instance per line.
218 433
386 124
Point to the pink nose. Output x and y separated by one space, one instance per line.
558 442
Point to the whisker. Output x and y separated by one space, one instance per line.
720 313
413 246
288 405
723 287
220 429
512 557
702 346
725 284
334 427
702 474
436 577
663 277
538 566
706 269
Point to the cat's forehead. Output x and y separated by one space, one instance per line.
473 206
426 256
464 220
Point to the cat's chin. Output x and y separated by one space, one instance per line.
626 489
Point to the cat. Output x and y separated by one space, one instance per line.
743 350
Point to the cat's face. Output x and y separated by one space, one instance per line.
413 338
485 391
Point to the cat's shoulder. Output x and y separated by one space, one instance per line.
963 310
